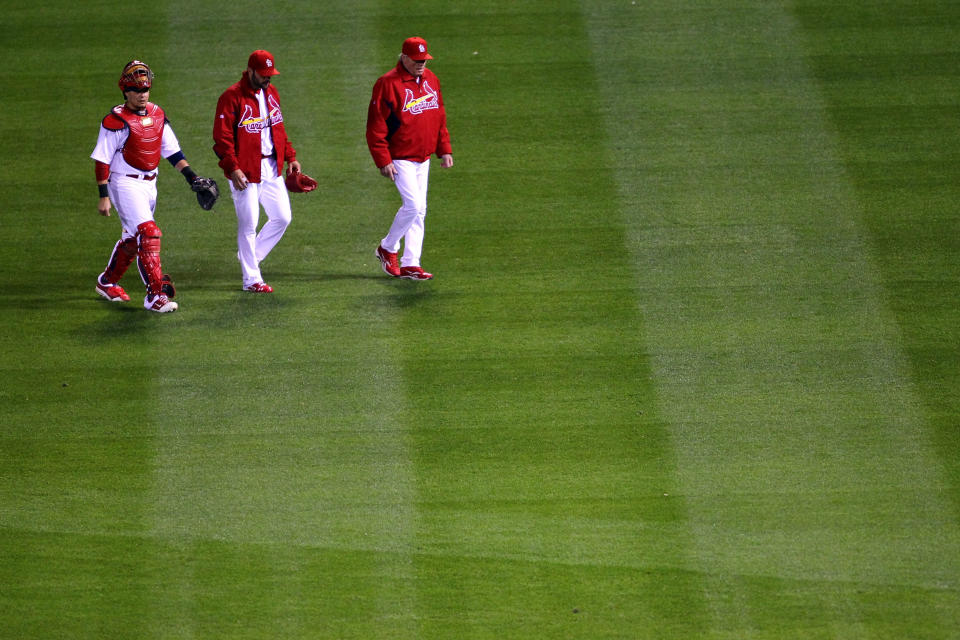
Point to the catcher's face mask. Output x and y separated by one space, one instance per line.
136 76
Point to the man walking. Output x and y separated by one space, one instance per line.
406 124
133 138
251 142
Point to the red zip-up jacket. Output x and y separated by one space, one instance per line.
406 119
237 126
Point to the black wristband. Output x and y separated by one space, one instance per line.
103 191
189 174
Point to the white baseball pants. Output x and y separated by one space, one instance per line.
134 199
271 192
408 224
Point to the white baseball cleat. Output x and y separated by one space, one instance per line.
160 303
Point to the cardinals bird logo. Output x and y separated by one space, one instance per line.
255 124
429 100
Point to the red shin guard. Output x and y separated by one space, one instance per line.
148 256
124 253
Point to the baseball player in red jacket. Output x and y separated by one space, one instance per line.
406 124
251 142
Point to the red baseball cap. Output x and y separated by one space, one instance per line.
416 49
262 62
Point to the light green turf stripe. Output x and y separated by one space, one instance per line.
800 442
314 456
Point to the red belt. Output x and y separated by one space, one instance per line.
141 177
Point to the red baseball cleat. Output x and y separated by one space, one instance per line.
414 273
388 261
259 287
112 292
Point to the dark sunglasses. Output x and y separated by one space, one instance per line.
138 89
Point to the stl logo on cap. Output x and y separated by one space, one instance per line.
416 48
262 62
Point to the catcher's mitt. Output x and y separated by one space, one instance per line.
300 182
207 192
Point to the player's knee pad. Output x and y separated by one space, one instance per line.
148 236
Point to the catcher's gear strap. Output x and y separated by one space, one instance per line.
167 288
148 254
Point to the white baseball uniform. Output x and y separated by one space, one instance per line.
133 192
271 192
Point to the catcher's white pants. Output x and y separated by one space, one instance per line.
408 224
134 199
271 192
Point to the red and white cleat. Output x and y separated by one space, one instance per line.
112 292
160 303
259 287
388 261
414 273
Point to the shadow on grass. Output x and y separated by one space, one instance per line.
120 320
398 293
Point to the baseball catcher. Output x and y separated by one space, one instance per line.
298 182
134 137
207 191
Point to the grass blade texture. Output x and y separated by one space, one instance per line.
688 367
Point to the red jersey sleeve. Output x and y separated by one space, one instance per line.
224 126
377 128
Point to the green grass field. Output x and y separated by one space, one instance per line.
688 368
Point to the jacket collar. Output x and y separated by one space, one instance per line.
406 76
247 87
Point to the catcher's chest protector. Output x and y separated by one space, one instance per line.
142 148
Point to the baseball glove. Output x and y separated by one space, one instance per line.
300 182
207 192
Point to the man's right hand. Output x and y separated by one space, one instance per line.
389 171
103 206
238 179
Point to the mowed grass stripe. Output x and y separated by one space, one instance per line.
802 448
289 440
541 461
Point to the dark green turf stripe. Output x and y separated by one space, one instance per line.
889 75
802 445
533 429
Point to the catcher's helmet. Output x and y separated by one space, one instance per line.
136 75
